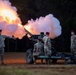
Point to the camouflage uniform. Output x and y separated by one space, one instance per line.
41 36
73 47
47 45
2 45
38 48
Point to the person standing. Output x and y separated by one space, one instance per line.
47 44
73 46
2 45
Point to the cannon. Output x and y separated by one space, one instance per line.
49 59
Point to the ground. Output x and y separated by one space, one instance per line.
15 64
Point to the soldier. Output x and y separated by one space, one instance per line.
73 46
47 44
41 36
2 45
38 48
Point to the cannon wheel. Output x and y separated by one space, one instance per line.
29 56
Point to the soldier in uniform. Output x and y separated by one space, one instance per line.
2 45
38 48
73 46
47 44
41 36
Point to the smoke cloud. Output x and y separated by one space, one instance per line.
10 23
45 24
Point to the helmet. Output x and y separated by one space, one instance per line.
41 33
47 33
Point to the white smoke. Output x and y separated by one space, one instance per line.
45 24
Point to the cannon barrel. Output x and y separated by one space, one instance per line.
33 37
28 32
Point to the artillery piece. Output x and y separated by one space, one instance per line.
53 58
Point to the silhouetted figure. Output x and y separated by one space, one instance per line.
25 43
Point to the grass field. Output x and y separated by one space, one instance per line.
15 64
17 69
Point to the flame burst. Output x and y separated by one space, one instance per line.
8 16
10 20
